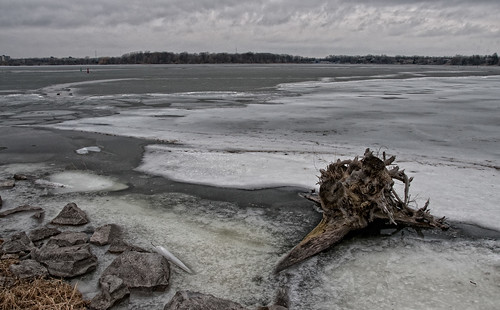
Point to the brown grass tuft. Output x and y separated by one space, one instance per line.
38 294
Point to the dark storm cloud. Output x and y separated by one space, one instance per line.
312 27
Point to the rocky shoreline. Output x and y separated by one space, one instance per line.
53 250
30 155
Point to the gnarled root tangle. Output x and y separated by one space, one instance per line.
354 193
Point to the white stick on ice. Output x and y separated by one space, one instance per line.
165 253
50 184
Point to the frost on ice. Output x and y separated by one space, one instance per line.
80 181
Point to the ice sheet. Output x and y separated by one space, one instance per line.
404 274
443 129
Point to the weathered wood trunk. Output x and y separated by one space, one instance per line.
353 194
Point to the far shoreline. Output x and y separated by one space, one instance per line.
165 57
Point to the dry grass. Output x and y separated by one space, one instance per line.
4 266
38 294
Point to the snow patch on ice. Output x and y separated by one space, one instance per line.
86 150
80 181
235 169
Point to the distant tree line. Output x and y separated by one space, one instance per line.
252 58
204 58
167 58
458 60
50 61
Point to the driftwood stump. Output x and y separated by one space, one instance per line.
353 194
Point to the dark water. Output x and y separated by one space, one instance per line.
140 79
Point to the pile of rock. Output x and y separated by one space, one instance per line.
51 251
48 251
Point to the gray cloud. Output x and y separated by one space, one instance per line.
310 28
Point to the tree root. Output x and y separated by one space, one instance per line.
353 194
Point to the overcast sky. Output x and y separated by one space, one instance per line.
316 28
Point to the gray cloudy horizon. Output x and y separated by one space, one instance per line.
314 28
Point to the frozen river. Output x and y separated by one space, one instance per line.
270 127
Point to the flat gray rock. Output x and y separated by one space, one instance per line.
29 269
113 289
149 271
71 215
67 261
24 208
18 243
187 300
120 246
106 234
41 233
68 238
